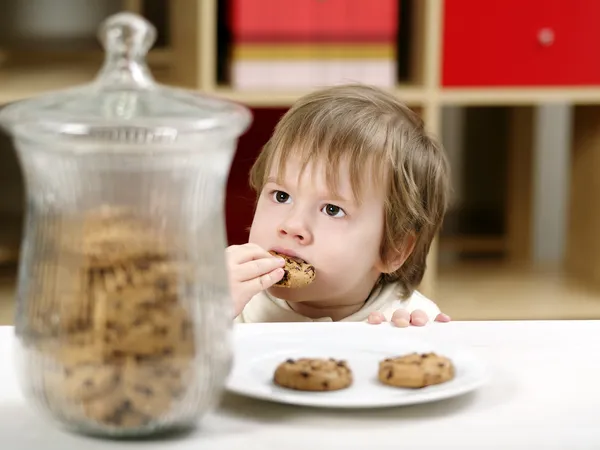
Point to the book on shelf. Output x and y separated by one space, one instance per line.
308 43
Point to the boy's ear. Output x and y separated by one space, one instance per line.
396 258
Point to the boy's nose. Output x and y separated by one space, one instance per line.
295 230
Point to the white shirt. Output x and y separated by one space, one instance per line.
385 299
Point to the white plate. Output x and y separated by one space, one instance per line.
259 348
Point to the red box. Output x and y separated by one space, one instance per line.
521 43
313 20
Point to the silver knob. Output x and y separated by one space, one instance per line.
546 37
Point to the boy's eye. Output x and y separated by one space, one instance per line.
280 196
333 211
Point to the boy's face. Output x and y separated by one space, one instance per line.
340 237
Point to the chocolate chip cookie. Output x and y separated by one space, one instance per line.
297 272
313 374
416 370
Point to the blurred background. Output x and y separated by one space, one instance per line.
511 88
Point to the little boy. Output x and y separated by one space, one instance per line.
351 183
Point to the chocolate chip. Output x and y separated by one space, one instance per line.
341 364
115 419
186 327
326 384
146 304
161 331
305 374
162 284
144 390
441 364
177 392
118 354
160 371
290 361
390 374
143 264
80 325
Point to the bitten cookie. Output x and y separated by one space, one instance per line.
298 273
416 370
310 374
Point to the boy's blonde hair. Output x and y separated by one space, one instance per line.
370 129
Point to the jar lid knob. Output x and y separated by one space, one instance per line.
127 34
126 38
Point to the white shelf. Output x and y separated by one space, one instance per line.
26 81
17 83
410 95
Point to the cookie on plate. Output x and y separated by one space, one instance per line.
313 374
416 370
297 272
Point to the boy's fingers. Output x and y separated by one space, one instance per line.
418 318
401 318
257 268
264 282
376 318
239 254
441 317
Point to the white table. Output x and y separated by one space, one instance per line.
544 393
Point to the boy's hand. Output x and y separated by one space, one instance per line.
251 270
402 318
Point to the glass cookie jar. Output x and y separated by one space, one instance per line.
123 309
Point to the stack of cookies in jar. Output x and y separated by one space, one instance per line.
112 336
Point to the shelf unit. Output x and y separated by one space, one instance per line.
191 59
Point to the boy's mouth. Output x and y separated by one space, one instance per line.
288 252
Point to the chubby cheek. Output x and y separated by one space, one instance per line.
263 224
344 258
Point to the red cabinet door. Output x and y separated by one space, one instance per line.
577 43
313 20
521 43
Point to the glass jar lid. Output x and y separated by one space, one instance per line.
124 104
